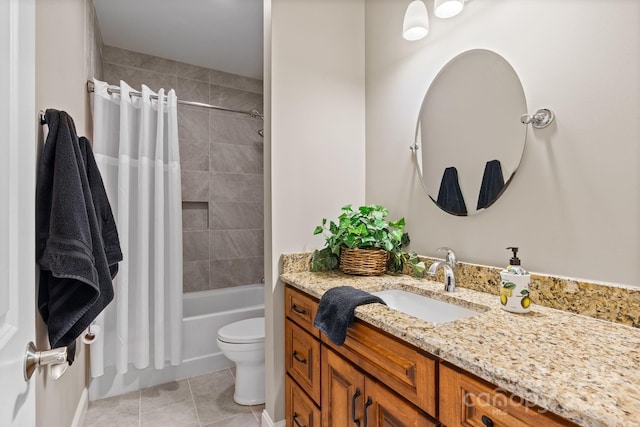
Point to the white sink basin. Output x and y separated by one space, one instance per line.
425 308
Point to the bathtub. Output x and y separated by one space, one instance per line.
204 313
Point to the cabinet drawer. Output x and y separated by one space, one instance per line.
398 365
300 410
389 410
301 309
302 355
472 402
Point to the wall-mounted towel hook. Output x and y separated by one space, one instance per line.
541 119
43 118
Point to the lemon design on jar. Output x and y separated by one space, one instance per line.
506 291
525 302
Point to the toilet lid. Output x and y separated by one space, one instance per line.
244 331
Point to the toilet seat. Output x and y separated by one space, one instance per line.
243 332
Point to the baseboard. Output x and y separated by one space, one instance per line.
267 422
81 409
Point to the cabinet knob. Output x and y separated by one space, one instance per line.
488 422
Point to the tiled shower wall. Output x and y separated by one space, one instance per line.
222 169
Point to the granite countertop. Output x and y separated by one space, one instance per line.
583 369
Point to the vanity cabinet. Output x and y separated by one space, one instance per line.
375 379
354 384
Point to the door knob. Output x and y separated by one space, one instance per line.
34 359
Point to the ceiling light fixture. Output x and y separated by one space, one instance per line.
416 21
447 8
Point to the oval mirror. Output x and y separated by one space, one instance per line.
469 138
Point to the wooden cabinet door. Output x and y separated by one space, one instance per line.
302 359
300 410
471 402
385 409
342 392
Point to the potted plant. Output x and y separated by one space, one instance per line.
363 242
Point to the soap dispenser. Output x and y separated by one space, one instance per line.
515 284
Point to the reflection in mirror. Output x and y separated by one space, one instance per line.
469 137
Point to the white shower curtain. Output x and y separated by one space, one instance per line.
135 141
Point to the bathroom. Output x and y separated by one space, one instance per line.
571 206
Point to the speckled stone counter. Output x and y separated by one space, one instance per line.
583 369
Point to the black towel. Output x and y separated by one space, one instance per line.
336 311
107 223
492 184
450 196
75 276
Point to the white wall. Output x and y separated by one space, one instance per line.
574 205
63 61
314 100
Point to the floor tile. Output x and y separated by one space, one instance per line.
242 420
213 396
257 411
117 411
181 414
164 395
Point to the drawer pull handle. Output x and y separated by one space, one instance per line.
295 420
298 358
368 403
353 407
301 311
488 422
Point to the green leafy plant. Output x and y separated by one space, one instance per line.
366 227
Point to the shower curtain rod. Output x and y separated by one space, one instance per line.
253 113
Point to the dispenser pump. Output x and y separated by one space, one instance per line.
514 260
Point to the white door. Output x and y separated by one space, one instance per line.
18 126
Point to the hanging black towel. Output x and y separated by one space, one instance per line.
450 196
336 311
77 244
492 184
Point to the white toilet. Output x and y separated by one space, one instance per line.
243 343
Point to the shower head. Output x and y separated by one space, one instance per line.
261 132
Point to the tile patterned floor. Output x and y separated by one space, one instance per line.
204 401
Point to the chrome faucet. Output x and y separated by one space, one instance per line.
451 257
449 266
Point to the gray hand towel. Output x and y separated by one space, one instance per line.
75 275
336 311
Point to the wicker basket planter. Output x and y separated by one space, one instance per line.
363 262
